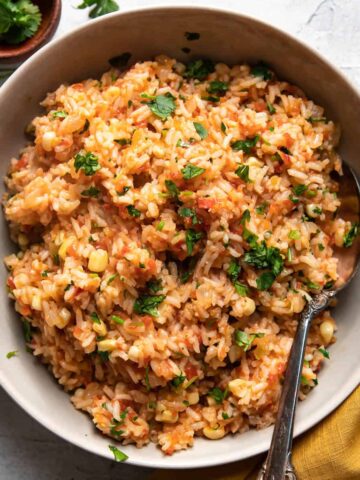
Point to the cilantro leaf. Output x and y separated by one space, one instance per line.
134 212
233 270
191 171
95 318
199 69
147 304
172 188
177 381
18 21
11 354
265 280
262 208
189 213
261 70
324 352
101 7
245 217
59 114
271 108
154 285
162 105
245 340
119 456
200 130
218 87
241 289
192 237
88 162
218 395
243 172
245 145
350 236
299 189
91 192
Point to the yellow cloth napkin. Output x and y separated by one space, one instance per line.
329 451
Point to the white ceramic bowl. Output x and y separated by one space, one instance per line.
225 36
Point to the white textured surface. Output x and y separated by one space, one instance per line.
27 450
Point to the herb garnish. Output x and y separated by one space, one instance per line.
218 395
91 192
200 130
18 20
261 70
134 212
191 171
199 69
59 114
11 354
154 286
177 381
172 189
123 141
88 162
95 318
243 172
350 236
117 319
324 352
119 456
189 213
218 87
162 105
147 304
192 237
245 340
245 145
101 7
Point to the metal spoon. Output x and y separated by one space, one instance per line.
277 465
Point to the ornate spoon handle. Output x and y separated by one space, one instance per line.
277 465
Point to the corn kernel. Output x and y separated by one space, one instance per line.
214 433
63 318
48 141
64 246
22 240
327 331
100 328
167 416
36 302
193 398
98 260
107 345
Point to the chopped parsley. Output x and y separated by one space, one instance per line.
162 105
241 289
88 162
154 285
223 127
200 130
233 270
299 189
262 257
245 217
117 319
199 69
11 354
95 318
350 236
271 108
192 237
111 278
225 415
147 382
324 352
189 213
18 20
218 395
312 285
261 209
119 456
316 119
134 212
243 172
261 70
100 7
244 340
104 356
317 210
27 330
177 381
191 36
191 171
160 226
59 114
147 304
321 247
91 192
172 189
218 87
245 145
211 98
123 141
45 273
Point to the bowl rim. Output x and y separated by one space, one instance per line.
178 462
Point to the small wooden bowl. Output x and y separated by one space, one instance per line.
15 54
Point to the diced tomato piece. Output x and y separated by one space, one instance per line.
190 370
206 203
10 282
